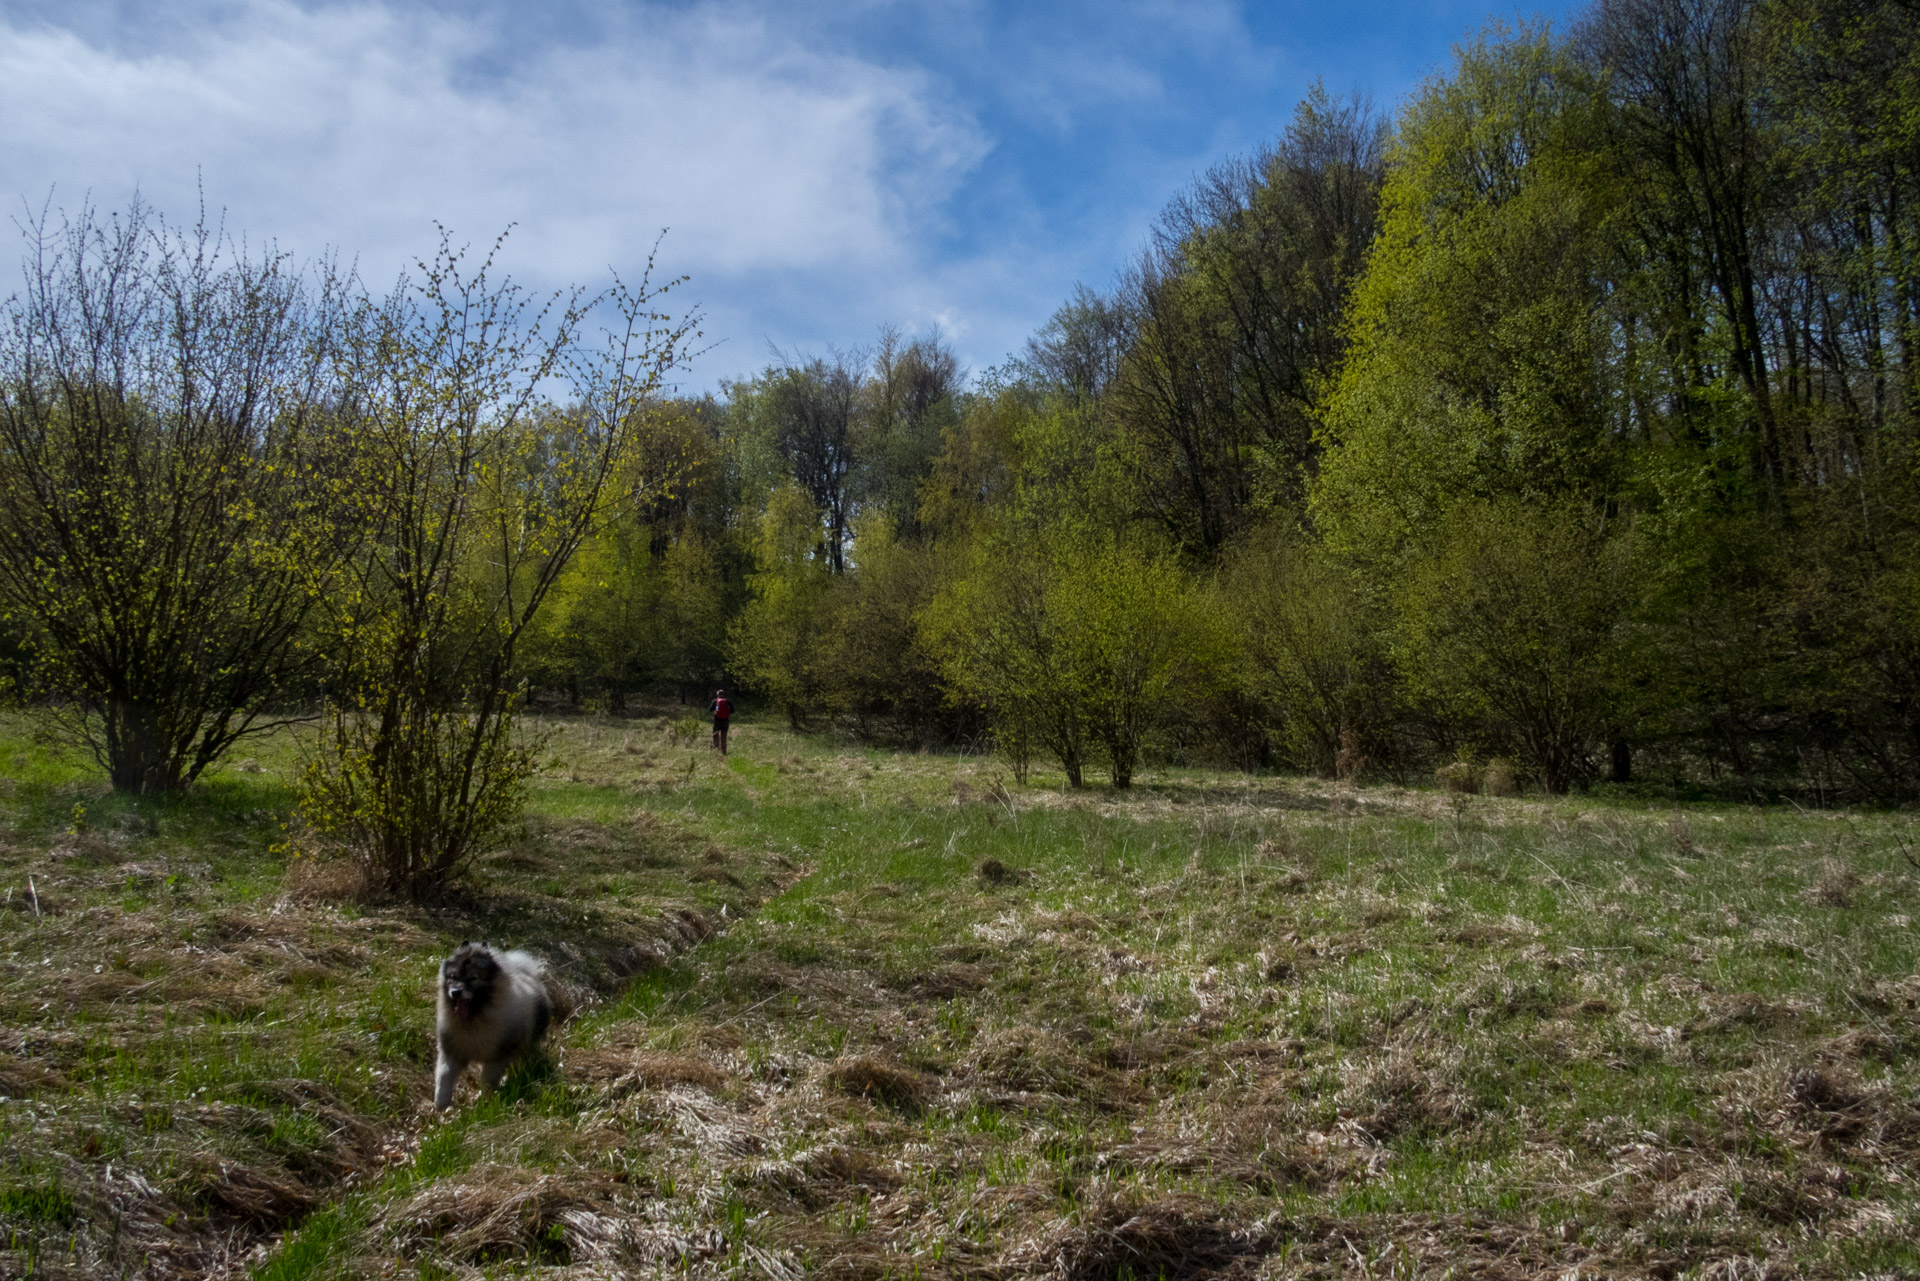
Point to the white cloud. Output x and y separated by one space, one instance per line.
825 166
357 126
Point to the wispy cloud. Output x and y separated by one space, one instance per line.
825 166
357 126
354 119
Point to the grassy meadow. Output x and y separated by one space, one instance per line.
851 1013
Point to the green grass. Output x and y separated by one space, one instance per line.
1212 1021
317 1250
37 1203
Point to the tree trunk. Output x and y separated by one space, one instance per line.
137 758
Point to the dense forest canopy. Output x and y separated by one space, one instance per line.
1564 418
1558 426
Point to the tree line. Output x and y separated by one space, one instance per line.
1560 425
1565 419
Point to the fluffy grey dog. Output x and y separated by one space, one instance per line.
493 1006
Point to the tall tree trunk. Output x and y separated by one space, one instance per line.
1622 753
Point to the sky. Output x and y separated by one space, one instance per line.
949 167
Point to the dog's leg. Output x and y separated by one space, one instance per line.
491 1074
444 1077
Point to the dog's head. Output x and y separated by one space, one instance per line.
467 979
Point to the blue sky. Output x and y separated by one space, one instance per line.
948 166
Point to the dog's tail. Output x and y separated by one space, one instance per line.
562 1001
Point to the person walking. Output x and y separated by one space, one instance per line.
722 713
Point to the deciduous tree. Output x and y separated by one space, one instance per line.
476 501
168 462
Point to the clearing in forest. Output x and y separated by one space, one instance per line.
853 1013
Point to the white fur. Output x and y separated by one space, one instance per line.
512 1023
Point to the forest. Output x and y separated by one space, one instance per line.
1556 430
1564 419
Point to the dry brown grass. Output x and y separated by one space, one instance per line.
495 1213
1111 1237
622 1070
202 1047
1219 1027
868 1077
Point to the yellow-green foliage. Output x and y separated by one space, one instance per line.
1568 422
1312 650
1084 650
1514 625
167 467
1477 326
479 495
783 640
625 616
883 662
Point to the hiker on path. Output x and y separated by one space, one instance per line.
722 713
